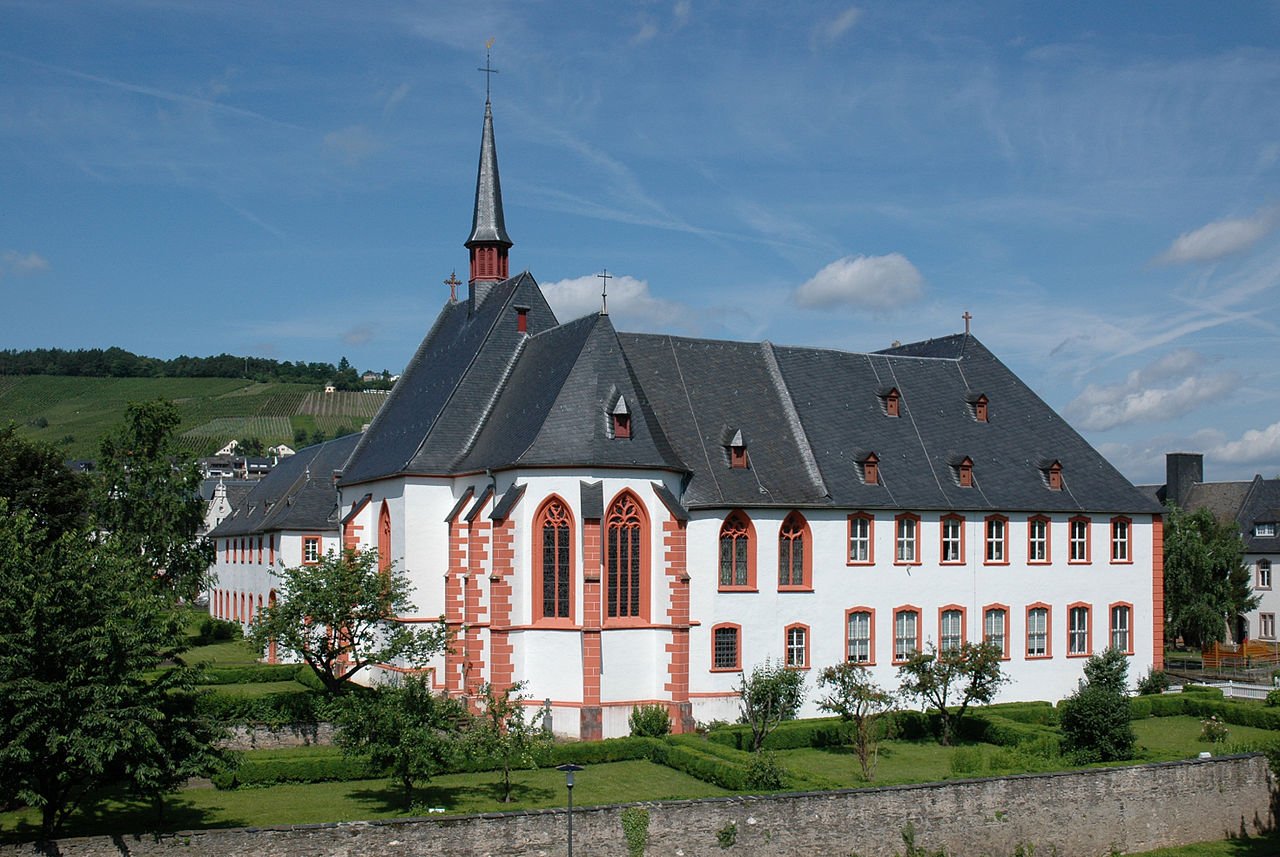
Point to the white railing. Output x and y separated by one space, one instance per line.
1235 689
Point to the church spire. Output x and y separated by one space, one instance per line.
489 241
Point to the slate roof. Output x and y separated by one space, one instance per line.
1261 504
487 224
298 494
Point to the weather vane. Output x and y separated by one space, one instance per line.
488 69
604 291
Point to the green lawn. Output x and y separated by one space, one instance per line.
1256 846
235 653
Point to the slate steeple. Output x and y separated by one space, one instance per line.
489 241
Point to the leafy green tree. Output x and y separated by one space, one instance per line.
404 730
34 478
505 731
336 615
1206 583
149 503
970 671
1095 719
858 700
770 694
80 707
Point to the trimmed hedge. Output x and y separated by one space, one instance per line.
274 709
264 772
252 674
793 734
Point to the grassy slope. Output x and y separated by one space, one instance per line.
79 411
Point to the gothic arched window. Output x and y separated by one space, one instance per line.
625 559
553 553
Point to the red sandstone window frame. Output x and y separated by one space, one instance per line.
1046 542
986 635
964 627
1048 632
1113 610
995 530
899 541
737 647
900 657
794 530
1262 574
1079 637
384 539
1086 543
1121 540
793 632
259 550
870 613
271 539
959 541
870 538
554 510
1266 626
307 541
738 528
634 517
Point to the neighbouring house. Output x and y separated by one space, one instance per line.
624 518
1254 505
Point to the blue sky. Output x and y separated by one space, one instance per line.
1097 183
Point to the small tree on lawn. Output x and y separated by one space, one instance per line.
771 694
858 700
1095 719
404 730
966 674
505 731
336 615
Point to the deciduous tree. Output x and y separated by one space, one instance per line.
970 672
1095 719
337 615
505 731
858 700
770 694
1206 583
34 478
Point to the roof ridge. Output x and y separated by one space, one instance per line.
793 418
494 395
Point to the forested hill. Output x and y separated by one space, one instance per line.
119 363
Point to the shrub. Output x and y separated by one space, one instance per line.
649 721
213 630
1213 730
269 772
1203 690
249 674
764 773
1273 698
966 760
1156 681
1095 719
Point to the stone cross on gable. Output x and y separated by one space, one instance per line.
604 291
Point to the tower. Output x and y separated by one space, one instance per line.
489 241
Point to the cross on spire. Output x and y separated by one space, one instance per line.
966 318
453 282
488 69
604 291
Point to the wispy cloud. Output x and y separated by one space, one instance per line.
829 31
394 99
17 264
360 334
1170 387
863 283
630 302
1219 239
350 145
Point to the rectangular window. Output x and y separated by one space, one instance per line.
310 549
1120 540
860 638
1120 615
907 535
1037 632
993 630
1078 631
725 648
1265 531
953 540
1037 540
1267 626
952 630
906 634
996 528
1264 574
859 538
259 550
1079 540
797 647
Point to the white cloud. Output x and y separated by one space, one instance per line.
647 32
842 23
863 282
631 303
1255 445
351 144
395 98
17 264
1140 398
1219 239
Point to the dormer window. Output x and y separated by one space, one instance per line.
871 469
737 451
978 404
964 472
890 397
522 319
1265 530
1052 471
621 419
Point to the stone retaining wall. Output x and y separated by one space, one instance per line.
1078 813
277 737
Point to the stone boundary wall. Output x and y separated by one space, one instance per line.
1078 813
278 737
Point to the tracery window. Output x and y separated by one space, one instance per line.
624 560
735 551
554 554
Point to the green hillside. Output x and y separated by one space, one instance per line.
75 412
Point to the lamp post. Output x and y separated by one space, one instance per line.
568 783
